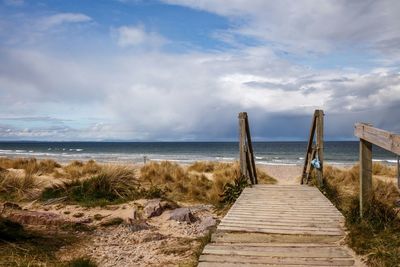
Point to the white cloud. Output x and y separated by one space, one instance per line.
62 18
137 36
313 25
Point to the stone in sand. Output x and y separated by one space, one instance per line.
153 208
182 215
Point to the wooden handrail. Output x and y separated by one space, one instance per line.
370 135
385 139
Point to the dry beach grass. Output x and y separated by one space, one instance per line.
102 194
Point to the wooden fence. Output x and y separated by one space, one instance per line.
246 153
315 149
369 135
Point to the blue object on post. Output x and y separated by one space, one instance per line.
316 163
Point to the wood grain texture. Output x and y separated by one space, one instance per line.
385 139
279 225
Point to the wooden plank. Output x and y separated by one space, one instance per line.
309 223
232 264
319 252
242 144
281 245
249 224
320 145
365 173
284 219
309 145
250 169
251 152
293 261
398 172
277 260
385 139
278 231
278 216
290 213
269 238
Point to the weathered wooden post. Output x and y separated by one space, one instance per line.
365 173
242 144
368 136
320 146
315 152
398 171
246 154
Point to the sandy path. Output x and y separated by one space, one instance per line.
284 174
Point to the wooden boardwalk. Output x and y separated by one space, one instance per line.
279 225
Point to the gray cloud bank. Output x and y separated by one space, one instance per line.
146 93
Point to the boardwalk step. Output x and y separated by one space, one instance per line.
264 217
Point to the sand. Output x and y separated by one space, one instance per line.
284 174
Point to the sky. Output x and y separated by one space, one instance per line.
182 70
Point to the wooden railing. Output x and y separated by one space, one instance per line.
315 150
247 163
369 135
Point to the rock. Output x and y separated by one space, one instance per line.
207 223
153 208
182 215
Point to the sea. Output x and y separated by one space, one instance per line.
268 153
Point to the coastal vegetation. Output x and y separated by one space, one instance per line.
91 185
377 235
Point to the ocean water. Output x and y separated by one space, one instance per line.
335 152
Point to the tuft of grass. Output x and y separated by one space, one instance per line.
78 169
14 187
384 170
113 184
30 165
81 262
233 190
202 166
377 235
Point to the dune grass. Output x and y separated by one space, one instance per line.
30 165
91 184
78 169
16 188
377 235
204 182
112 185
